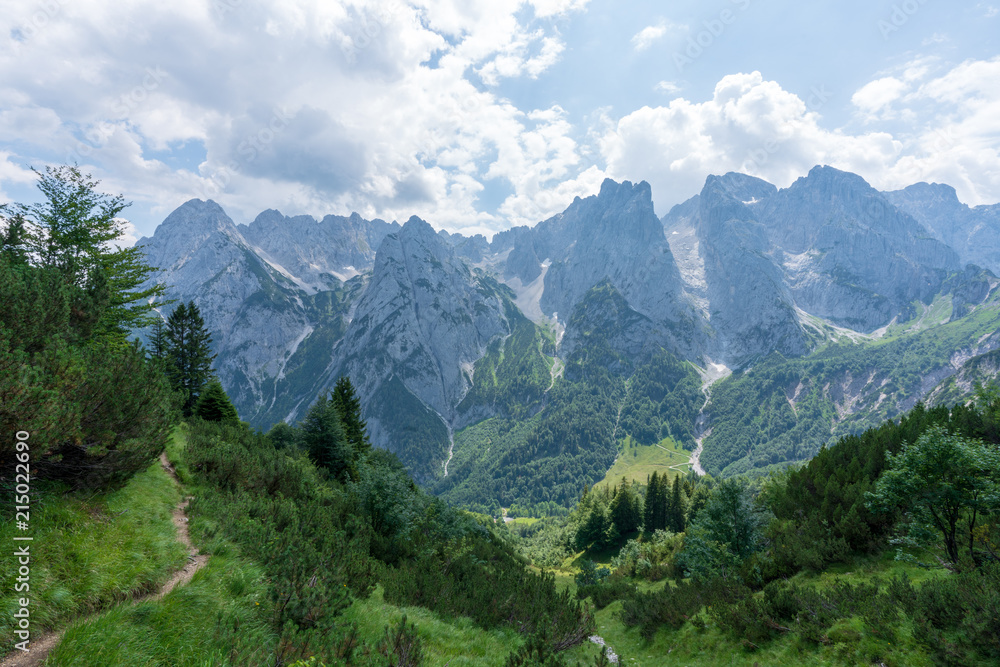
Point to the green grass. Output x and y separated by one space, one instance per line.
637 462
524 520
91 552
454 642
221 617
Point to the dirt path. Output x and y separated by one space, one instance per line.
196 561
40 648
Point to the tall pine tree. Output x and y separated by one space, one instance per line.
349 408
656 503
676 507
189 355
324 438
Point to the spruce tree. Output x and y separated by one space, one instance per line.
675 519
656 504
626 509
189 355
649 511
214 405
324 438
349 408
158 342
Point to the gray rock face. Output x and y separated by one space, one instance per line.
752 310
251 309
616 237
424 320
831 226
732 275
974 233
318 254
757 259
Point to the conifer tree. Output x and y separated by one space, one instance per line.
324 438
158 342
675 519
626 509
348 406
657 494
649 511
214 405
189 355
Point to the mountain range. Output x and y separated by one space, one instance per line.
753 322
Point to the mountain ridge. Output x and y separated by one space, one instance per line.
448 331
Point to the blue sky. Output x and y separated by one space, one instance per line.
480 115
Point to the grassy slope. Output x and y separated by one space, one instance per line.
222 618
91 552
637 462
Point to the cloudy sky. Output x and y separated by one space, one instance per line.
480 114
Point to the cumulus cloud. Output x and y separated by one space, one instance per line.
956 143
750 125
11 173
875 96
305 105
754 126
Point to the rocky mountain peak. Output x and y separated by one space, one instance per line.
196 220
742 187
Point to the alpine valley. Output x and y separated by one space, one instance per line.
748 327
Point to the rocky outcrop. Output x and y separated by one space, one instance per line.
612 237
424 320
318 254
974 233
751 309
849 255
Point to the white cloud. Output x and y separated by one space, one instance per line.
668 87
12 174
754 126
876 95
749 125
383 114
957 141
546 8
649 35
